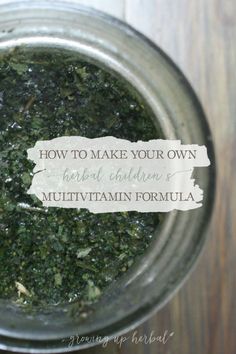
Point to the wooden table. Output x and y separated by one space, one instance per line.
200 36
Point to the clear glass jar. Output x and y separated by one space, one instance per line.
151 282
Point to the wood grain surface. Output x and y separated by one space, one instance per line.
200 36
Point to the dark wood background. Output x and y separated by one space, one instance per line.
200 36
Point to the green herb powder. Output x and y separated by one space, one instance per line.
56 255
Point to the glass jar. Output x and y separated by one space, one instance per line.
164 267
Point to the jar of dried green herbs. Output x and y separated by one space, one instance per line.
67 70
